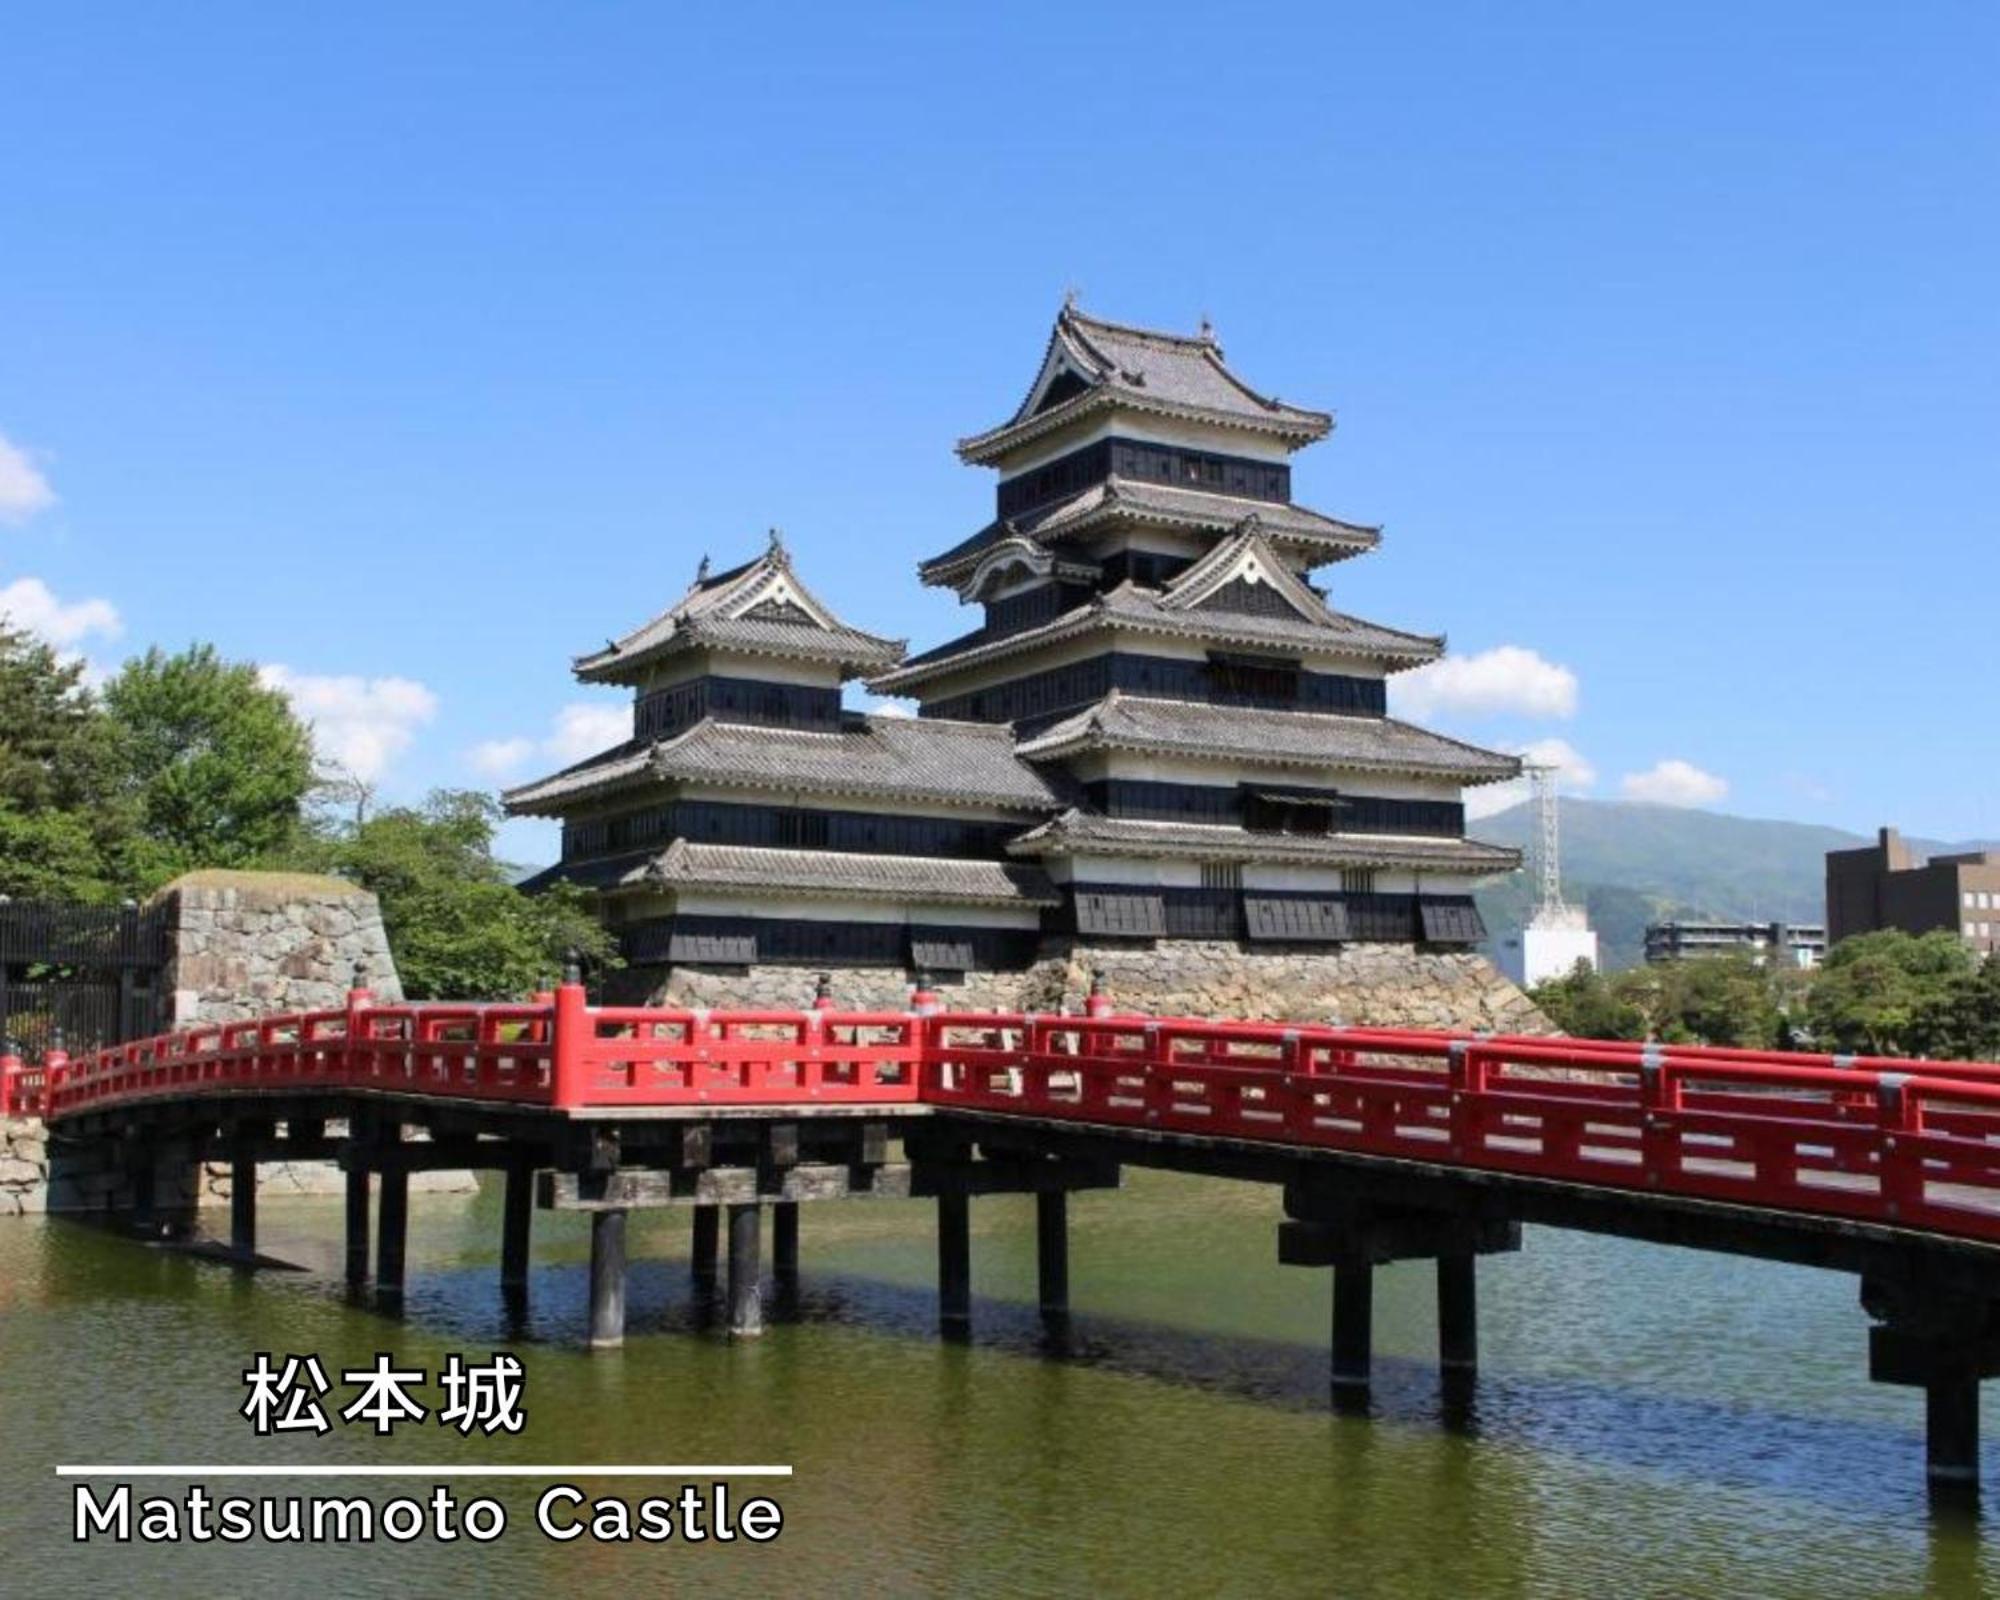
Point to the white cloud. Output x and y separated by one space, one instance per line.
1674 783
29 604
499 758
23 489
362 724
1506 679
580 730
584 729
1574 775
890 708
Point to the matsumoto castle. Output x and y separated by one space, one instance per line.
1160 750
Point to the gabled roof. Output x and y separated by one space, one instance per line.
1091 365
761 608
1087 833
687 865
1130 608
878 757
1309 536
1245 557
1239 734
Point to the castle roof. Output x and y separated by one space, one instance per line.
759 608
1092 365
686 864
1267 738
1088 833
876 757
1304 535
1239 593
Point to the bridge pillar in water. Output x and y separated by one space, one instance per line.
1943 1343
607 1279
517 1230
785 1241
1052 1254
1353 1327
1458 1312
1333 1224
746 1268
392 1228
954 1242
706 1248
357 1223
243 1199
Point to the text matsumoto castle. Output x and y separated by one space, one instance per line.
1160 732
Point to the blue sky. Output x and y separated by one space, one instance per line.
412 349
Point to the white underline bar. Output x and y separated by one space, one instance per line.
440 1470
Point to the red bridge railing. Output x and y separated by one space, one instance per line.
1915 1143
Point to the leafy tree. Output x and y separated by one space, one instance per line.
1724 999
1963 1023
1885 993
215 761
458 928
65 831
1584 1005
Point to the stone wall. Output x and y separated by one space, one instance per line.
24 1165
1376 985
241 944
245 943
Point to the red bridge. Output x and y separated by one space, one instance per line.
1389 1145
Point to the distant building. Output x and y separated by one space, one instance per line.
1801 944
1883 885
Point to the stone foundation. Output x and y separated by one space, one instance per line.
1376 985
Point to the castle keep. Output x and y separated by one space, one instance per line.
1161 750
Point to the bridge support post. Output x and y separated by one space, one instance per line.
1458 1313
954 1240
746 1265
1951 1434
1052 1254
516 1230
242 1201
1943 1342
1353 1326
785 1242
357 1224
607 1279
392 1226
706 1247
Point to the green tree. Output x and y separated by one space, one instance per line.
1583 1004
459 930
1724 999
1963 1022
215 762
66 831
1884 993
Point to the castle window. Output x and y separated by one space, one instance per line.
1222 875
1357 880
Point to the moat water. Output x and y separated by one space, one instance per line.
1647 1421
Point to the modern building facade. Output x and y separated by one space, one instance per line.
1884 885
1159 732
1797 944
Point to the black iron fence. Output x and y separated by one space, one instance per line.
89 974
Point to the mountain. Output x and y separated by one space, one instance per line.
1631 863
